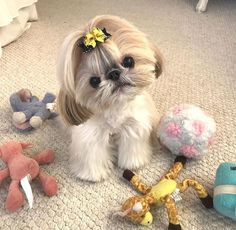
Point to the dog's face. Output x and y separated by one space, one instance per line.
113 73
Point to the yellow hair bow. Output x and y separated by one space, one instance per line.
91 39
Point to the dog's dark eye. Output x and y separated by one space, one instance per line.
128 62
94 82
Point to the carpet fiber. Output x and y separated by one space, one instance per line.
200 57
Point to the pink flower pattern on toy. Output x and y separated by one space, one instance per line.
199 127
188 150
186 130
173 130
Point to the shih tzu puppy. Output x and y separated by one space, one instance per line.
104 71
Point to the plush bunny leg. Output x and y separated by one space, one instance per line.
4 173
15 198
174 223
44 157
205 198
135 181
21 117
36 121
49 183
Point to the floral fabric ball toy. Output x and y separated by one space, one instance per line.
187 130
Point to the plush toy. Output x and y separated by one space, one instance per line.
23 169
186 130
225 190
166 193
28 111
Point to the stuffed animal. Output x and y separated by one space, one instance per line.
225 190
28 111
166 193
186 130
23 169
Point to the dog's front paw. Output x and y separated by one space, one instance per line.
89 173
134 162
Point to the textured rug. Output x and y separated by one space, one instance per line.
200 57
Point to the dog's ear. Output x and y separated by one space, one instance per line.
68 61
67 66
72 112
159 60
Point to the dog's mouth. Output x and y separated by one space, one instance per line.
120 86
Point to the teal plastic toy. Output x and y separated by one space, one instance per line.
225 190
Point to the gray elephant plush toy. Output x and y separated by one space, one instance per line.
28 111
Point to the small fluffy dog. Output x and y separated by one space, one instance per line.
103 71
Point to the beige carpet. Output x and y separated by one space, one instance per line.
200 53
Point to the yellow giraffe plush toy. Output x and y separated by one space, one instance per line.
165 193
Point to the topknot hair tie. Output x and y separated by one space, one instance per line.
93 38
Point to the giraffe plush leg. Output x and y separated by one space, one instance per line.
174 223
177 167
205 198
135 181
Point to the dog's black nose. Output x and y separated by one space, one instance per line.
114 75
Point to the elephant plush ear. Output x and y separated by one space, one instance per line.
25 145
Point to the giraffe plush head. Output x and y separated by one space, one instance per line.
137 209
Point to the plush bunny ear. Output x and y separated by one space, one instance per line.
25 145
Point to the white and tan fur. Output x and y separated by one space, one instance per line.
111 121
